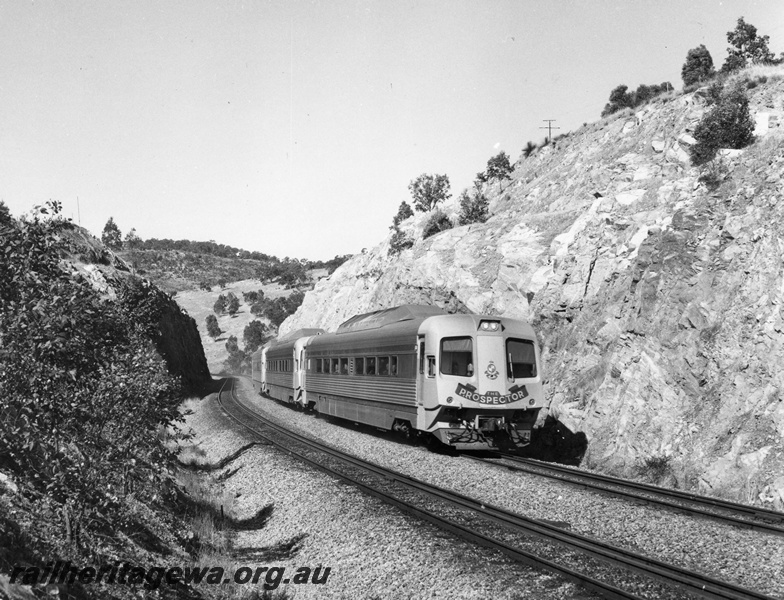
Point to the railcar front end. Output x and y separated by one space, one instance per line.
479 381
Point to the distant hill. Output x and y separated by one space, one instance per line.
179 265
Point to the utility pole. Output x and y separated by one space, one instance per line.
549 128
78 212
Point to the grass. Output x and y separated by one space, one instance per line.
655 468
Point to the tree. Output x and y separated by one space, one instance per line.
232 304
698 66
111 235
727 125
213 329
403 212
428 190
5 214
255 335
747 47
132 241
529 149
220 305
499 167
621 98
473 209
236 356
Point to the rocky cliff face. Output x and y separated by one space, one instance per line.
657 297
173 332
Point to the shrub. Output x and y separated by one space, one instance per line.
698 66
727 125
473 209
81 425
428 191
436 223
529 148
399 242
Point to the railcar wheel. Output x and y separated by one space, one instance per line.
404 429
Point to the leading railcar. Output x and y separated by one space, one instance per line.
470 381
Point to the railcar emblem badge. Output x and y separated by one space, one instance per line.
492 371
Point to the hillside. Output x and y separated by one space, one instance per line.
657 297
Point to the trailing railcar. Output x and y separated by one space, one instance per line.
469 381
278 370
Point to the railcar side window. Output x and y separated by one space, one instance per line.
335 366
371 365
393 366
383 365
344 366
520 359
359 366
319 368
457 355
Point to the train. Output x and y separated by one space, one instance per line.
467 381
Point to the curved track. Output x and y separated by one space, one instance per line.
742 515
615 572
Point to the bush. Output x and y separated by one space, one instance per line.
727 125
436 223
473 209
82 425
399 242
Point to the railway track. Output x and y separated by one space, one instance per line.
742 515
614 572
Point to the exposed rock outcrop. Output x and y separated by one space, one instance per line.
175 334
657 297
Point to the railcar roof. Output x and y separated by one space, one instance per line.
388 316
295 335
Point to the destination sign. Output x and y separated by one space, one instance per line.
469 393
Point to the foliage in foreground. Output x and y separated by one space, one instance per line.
84 394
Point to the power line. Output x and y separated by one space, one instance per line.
549 128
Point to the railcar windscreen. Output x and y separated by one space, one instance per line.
457 354
520 359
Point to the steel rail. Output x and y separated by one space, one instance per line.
660 571
637 491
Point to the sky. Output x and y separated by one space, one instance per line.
294 127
